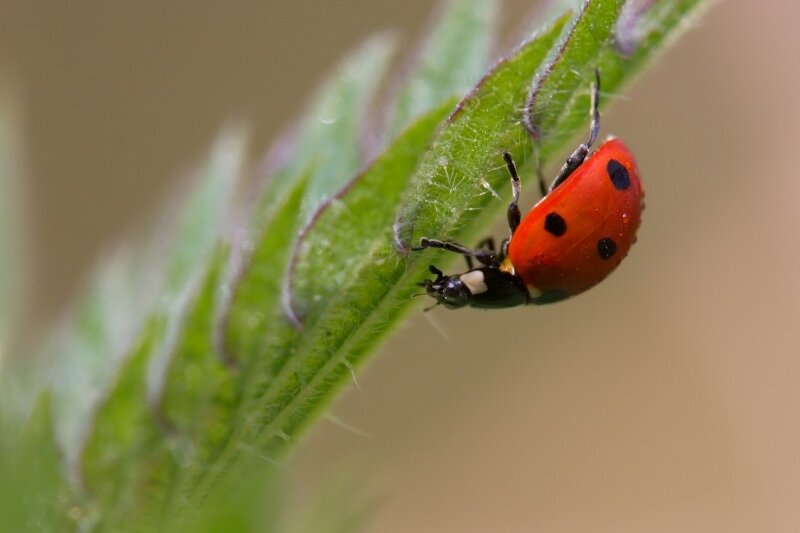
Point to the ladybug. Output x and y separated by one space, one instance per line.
573 238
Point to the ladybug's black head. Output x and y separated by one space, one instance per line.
449 291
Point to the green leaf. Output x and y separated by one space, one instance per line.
197 402
134 287
205 212
616 41
34 496
257 320
562 90
324 264
117 468
462 171
256 295
251 497
128 457
641 34
462 34
329 138
205 391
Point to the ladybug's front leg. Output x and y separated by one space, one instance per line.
484 256
487 243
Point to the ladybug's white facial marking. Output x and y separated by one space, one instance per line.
474 281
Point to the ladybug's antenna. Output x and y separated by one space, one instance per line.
431 307
579 155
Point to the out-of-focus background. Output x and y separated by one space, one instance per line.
665 399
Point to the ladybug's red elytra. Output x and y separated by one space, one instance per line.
568 242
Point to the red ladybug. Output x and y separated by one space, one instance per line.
571 240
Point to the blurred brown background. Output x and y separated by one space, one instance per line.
663 400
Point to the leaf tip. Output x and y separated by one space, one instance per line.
401 236
287 302
628 32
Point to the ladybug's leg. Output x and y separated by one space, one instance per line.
503 250
488 242
436 272
542 182
486 257
513 213
579 155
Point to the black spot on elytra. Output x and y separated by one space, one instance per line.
555 224
606 248
618 174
